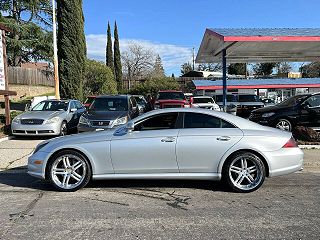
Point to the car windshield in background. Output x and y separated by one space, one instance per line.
292 101
109 104
171 95
248 98
230 98
203 100
51 106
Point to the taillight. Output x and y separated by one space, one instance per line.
290 144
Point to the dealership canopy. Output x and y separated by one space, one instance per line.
258 45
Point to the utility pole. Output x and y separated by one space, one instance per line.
193 59
55 52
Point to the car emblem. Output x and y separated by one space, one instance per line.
100 123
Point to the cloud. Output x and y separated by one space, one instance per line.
172 56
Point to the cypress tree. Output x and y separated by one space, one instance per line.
117 58
71 48
109 54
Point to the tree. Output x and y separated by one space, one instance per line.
237 68
212 67
99 79
263 69
109 54
117 59
158 71
283 68
71 48
153 85
31 36
310 70
138 61
185 68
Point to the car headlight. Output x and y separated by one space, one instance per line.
51 120
83 120
156 106
121 121
39 146
265 115
16 120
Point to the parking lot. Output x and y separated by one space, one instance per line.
285 207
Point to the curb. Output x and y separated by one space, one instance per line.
309 146
5 138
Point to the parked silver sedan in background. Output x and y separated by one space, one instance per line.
49 117
170 144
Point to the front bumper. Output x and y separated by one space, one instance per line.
38 170
36 130
284 161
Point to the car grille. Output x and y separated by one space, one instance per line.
101 123
172 106
31 121
255 116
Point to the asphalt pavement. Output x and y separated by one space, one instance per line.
285 207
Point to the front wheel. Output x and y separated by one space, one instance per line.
63 128
244 172
69 171
284 124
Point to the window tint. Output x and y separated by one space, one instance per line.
78 104
133 101
159 122
199 120
72 105
313 101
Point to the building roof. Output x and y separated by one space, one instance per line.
260 45
258 83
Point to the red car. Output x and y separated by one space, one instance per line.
88 101
171 99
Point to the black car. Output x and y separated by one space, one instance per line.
108 111
301 109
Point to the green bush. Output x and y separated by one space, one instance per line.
152 86
13 114
99 79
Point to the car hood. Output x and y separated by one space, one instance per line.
171 101
105 115
274 108
40 114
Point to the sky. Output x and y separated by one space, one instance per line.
173 27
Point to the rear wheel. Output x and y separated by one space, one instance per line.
69 171
244 172
284 124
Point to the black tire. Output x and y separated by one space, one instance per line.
60 174
63 128
244 172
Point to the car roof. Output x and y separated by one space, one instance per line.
170 91
114 96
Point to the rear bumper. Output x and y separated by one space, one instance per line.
284 161
35 130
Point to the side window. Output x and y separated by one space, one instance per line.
158 122
199 120
78 105
313 101
133 102
72 105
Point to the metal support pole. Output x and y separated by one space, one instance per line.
224 78
55 51
6 97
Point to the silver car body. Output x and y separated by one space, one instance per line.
174 153
33 123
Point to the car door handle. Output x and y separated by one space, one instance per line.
168 139
223 138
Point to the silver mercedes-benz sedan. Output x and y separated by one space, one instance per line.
170 144
49 117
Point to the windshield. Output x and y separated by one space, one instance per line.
292 101
171 95
51 106
109 104
230 98
203 100
248 98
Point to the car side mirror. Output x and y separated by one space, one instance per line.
130 126
73 110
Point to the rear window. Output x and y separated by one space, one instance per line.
171 96
203 100
248 98
230 98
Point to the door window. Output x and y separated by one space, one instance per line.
199 120
78 104
72 105
159 122
313 101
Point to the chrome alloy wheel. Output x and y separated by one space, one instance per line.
68 171
284 124
63 129
245 172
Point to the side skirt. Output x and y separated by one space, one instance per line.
187 176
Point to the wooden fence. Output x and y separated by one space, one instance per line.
30 76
